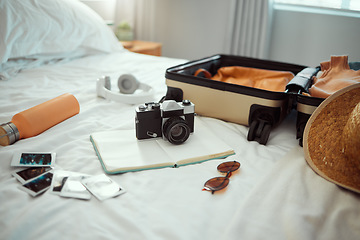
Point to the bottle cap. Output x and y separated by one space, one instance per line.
8 134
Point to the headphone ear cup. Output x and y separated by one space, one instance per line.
128 84
107 82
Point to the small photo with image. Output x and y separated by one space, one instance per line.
25 175
36 159
38 185
60 178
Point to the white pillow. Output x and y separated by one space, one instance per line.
52 27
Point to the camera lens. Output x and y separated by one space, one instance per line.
176 130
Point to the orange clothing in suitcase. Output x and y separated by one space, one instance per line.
335 75
252 77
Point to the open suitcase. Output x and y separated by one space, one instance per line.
259 109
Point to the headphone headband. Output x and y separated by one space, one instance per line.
127 84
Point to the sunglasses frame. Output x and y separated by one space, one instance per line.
222 181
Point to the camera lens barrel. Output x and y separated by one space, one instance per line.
176 130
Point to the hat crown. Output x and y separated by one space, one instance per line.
331 138
351 136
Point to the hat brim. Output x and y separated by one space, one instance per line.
322 136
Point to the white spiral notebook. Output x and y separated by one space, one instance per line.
120 151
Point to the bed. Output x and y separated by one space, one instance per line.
53 47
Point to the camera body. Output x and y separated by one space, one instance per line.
171 120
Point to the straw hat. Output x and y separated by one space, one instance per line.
332 138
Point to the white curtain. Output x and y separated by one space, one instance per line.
249 28
140 14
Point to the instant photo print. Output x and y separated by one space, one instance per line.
28 174
38 185
33 159
73 188
59 179
102 187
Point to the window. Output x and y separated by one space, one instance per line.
353 5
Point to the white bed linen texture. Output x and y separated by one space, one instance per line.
37 32
274 195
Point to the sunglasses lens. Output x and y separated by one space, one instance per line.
228 166
216 183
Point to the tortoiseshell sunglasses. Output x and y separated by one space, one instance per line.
218 183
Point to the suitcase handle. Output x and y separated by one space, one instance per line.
302 81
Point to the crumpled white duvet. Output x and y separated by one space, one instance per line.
274 195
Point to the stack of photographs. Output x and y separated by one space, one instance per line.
36 171
38 175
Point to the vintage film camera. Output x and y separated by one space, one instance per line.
171 120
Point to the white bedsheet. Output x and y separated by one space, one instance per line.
275 195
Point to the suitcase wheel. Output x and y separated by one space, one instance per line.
259 131
300 131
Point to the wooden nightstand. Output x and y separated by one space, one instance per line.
150 48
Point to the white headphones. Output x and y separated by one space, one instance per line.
127 84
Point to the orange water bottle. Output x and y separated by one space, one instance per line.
35 120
